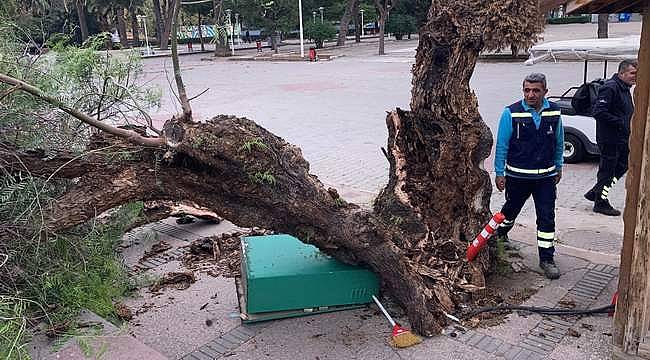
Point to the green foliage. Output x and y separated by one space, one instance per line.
13 328
400 25
248 146
265 177
396 220
104 85
320 32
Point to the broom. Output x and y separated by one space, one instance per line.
401 337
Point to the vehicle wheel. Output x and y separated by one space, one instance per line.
574 150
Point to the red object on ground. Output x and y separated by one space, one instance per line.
312 54
614 300
484 236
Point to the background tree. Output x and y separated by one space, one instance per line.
274 16
383 9
345 20
400 25
202 11
603 26
320 32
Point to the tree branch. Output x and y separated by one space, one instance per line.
131 136
182 93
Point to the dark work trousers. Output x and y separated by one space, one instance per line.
612 167
544 192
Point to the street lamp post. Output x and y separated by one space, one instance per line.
302 39
232 40
313 13
321 14
142 19
362 23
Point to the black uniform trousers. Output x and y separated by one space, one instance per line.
612 167
544 192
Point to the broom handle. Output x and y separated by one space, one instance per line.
381 307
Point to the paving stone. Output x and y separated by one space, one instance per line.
232 339
589 285
246 330
464 337
475 339
540 340
556 321
513 352
585 294
590 266
229 345
209 351
595 283
588 291
484 343
148 265
524 355
614 270
598 276
493 345
538 348
217 347
241 336
503 349
600 267
189 357
201 356
554 335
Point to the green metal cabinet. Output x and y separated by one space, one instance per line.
283 277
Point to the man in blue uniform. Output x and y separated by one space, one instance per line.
528 161
613 110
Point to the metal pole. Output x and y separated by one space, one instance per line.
146 38
302 39
321 14
313 13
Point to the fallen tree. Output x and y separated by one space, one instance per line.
415 237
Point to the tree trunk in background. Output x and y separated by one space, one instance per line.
201 32
158 20
603 26
357 23
345 22
83 22
121 26
135 27
167 28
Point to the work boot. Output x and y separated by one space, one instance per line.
551 271
605 208
590 195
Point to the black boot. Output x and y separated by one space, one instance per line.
590 195
551 270
604 207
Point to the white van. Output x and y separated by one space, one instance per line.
580 130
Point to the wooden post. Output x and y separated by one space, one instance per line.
632 317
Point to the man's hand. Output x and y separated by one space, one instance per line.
500 181
558 177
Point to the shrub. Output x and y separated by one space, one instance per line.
320 32
400 25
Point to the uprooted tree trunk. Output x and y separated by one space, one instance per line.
416 235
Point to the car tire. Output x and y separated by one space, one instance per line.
574 150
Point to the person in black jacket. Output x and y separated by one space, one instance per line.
612 110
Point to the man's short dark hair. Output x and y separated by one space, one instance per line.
536 78
625 64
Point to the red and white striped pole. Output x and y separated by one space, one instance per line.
484 236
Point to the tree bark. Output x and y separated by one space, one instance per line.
159 20
357 23
167 28
83 23
603 26
121 26
201 33
383 13
345 22
135 27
